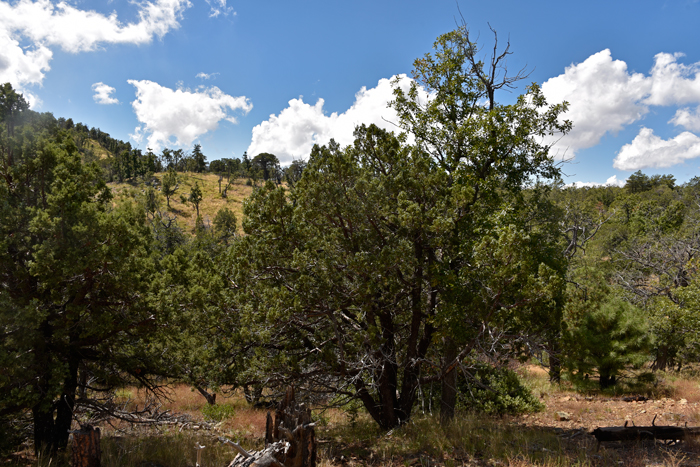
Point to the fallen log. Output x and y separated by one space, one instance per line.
633 433
272 456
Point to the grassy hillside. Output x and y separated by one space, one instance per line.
185 212
97 149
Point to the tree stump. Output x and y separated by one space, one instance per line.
86 447
293 423
290 440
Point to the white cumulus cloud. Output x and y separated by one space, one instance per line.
614 181
103 94
673 83
29 29
611 181
650 151
182 114
292 133
687 118
603 98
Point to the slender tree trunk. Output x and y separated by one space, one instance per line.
607 380
554 352
210 397
82 381
42 416
448 393
42 411
65 406
368 401
387 373
53 418
662 359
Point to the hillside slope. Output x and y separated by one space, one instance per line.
211 202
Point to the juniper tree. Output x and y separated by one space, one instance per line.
74 275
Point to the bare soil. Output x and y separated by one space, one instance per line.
568 419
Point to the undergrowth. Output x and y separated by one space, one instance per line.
469 438
172 450
352 438
218 412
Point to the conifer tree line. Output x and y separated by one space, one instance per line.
121 162
394 273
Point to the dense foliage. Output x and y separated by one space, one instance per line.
388 265
74 271
423 260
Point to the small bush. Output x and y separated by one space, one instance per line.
496 391
123 394
218 412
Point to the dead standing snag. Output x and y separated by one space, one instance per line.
290 439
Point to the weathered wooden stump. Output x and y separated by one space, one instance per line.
290 440
85 450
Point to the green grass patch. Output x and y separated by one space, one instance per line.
218 412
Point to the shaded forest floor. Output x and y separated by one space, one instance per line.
557 436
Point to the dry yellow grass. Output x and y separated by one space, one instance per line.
97 149
471 440
211 202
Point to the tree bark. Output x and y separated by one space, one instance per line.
448 394
86 447
554 351
65 406
210 397
42 416
53 418
607 380
290 439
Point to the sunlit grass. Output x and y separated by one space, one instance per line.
211 202
352 440
468 438
172 450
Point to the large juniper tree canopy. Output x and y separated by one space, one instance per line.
387 263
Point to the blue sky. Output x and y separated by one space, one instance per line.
278 76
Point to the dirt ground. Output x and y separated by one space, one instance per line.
568 417
570 410
573 417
